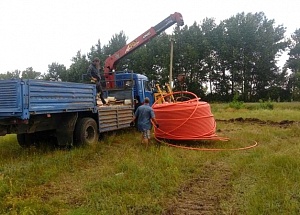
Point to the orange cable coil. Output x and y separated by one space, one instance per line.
187 120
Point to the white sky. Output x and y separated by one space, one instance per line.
35 33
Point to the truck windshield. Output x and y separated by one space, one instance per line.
129 83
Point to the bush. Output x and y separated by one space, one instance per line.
266 105
236 104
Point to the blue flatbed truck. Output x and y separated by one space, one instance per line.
66 113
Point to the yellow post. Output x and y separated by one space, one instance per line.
160 92
170 91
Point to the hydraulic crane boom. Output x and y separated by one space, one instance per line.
111 61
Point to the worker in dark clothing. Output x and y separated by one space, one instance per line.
93 71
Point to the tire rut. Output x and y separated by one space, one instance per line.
204 194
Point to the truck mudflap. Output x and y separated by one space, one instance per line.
114 117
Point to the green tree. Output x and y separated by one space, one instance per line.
193 55
191 58
152 59
293 65
10 75
116 42
96 51
56 72
219 77
251 45
78 68
29 73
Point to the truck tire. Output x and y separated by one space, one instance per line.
86 132
25 140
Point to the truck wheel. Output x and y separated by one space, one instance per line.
86 132
25 140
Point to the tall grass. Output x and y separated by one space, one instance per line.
120 176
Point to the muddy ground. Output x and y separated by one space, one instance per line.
282 124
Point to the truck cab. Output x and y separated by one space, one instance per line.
138 83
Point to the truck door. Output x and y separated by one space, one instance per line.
148 91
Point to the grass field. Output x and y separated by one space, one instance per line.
120 176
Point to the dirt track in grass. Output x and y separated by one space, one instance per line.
282 124
204 194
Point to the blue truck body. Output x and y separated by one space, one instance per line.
23 98
38 110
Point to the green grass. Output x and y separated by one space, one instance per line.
119 176
116 177
281 111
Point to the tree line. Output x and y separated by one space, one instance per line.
238 56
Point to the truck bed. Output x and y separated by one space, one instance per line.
22 98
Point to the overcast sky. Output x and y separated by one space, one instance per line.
35 33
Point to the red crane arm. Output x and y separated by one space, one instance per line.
111 61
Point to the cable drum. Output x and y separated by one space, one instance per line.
186 120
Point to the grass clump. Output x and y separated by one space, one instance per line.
236 104
268 105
